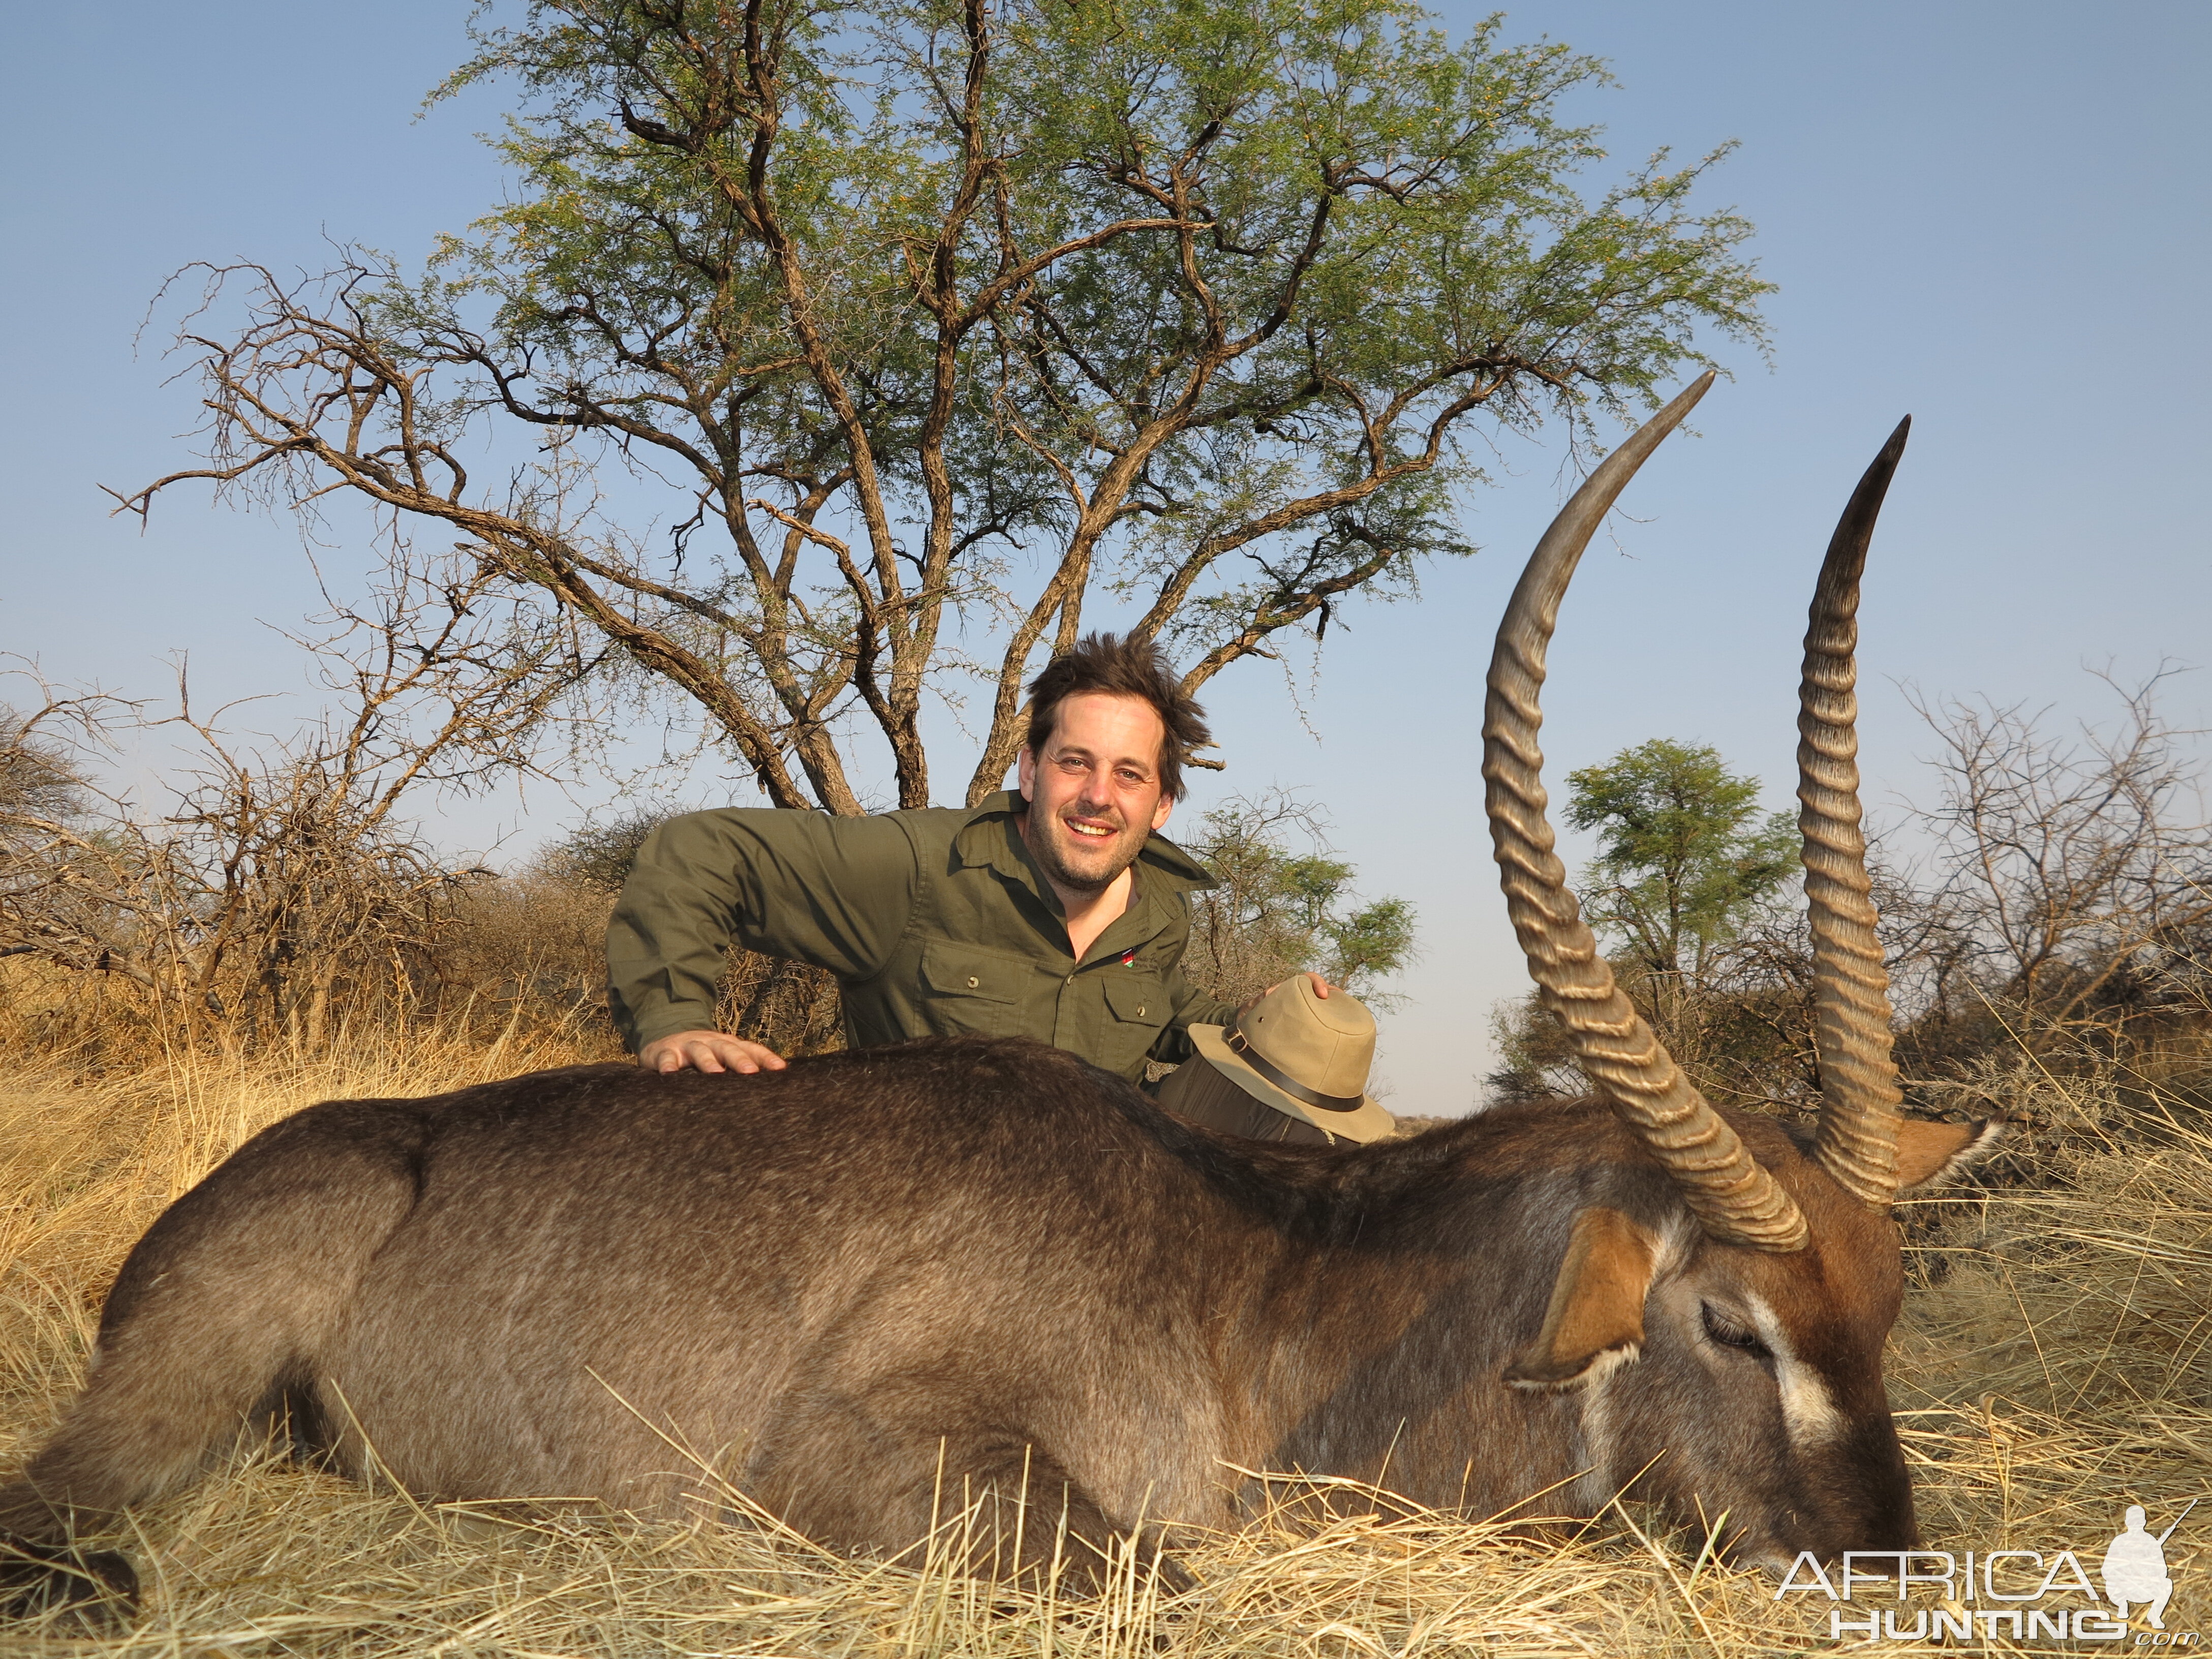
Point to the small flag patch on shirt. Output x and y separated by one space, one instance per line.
1129 959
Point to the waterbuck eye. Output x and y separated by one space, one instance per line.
1731 1335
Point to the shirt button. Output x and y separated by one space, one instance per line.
973 981
1140 1010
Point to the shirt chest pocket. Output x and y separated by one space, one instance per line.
1137 1010
1135 999
972 992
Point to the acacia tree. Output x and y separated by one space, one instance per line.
1275 910
1679 886
942 322
1685 856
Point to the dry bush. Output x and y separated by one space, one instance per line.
531 946
277 898
2051 1367
786 1006
2061 1366
275 911
1743 1035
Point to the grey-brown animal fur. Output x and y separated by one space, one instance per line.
858 1283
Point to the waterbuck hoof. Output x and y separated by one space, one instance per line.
99 1587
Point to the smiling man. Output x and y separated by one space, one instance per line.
1055 911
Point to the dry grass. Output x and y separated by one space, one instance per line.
2052 1370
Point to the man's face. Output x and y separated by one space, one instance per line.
1094 792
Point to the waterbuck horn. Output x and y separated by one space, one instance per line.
1737 1200
1857 1139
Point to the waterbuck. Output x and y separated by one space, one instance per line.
859 1290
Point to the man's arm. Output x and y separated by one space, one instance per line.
833 892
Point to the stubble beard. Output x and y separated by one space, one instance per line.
1045 847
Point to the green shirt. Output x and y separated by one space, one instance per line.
935 922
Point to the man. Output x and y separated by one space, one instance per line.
1056 911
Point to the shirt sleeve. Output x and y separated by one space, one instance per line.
1191 1007
833 892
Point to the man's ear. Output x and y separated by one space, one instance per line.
1595 1321
1929 1154
1025 773
1160 811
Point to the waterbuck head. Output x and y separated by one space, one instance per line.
1724 1320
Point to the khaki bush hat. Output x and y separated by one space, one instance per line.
1306 1056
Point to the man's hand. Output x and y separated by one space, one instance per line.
1320 985
707 1051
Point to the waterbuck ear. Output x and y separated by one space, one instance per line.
1928 1154
1595 1321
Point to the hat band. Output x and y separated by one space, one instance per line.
1289 1084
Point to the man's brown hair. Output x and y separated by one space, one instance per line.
1123 668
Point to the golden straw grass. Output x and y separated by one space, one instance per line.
2052 1368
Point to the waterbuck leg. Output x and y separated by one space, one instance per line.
35 1579
220 1312
846 1476
1015 1516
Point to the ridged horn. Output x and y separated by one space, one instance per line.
1856 1142
1737 1200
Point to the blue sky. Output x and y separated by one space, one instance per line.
1992 216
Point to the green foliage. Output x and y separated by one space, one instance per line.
1685 857
936 316
1682 888
1277 911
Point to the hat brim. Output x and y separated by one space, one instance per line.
1364 1123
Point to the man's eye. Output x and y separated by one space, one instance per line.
1070 765
1131 780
